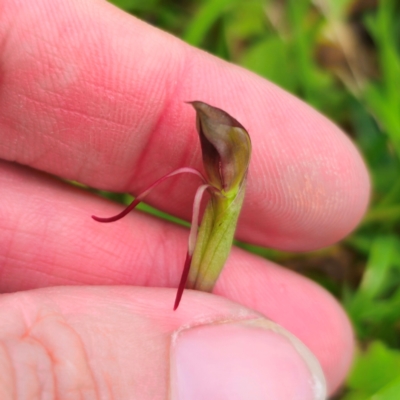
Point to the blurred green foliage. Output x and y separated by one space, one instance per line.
343 58
375 374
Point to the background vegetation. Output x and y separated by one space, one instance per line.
343 58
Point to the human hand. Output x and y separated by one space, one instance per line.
91 94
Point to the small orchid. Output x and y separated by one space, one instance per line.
226 150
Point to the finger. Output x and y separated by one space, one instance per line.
92 94
48 238
124 343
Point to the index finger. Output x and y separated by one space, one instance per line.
92 94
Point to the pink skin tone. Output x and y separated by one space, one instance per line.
89 93
193 226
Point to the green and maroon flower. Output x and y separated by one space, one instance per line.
226 150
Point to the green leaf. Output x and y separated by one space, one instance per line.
374 369
267 57
378 265
391 391
205 18
130 5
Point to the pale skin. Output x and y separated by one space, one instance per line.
91 94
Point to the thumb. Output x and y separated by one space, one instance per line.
127 343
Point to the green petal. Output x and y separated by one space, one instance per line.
214 240
226 147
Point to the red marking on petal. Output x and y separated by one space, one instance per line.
182 283
121 214
142 195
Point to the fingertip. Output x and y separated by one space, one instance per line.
296 303
254 359
128 125
210 349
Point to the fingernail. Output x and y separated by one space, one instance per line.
253 359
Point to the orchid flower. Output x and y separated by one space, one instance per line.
226 150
